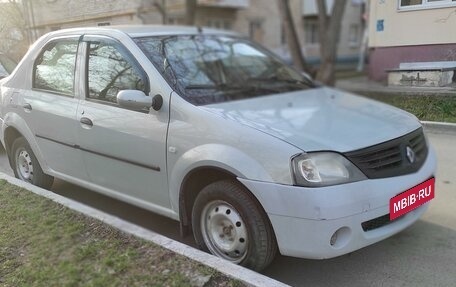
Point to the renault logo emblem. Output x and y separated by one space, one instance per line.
410 154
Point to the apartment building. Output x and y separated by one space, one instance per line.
258 19
411 31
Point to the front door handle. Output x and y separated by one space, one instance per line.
86 121
27 107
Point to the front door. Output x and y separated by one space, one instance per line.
124 150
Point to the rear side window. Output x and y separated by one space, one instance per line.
54 68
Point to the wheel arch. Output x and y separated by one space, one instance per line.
15 127
10 135
192 184
194 181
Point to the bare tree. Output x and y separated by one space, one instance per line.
292 37
148 8
365 40
329 30
161 7
190 12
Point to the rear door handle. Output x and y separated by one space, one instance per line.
86 121
27 107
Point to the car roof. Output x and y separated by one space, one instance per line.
135 31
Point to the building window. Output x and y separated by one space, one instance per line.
311 33
425 4
256 32
175 20
283 35
353 35
410 2
104 24
219 24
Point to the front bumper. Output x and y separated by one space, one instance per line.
305 219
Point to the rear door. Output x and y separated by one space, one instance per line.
50 107
124 150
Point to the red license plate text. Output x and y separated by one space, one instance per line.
412 198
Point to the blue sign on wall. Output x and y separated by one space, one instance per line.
380 25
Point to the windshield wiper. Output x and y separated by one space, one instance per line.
277 79
206 86
235 88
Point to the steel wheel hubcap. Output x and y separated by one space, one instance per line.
224 231
24 166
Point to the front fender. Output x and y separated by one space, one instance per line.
219 156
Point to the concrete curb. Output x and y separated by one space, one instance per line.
364 86
439 126
245 275
402 92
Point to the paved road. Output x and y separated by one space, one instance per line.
423 255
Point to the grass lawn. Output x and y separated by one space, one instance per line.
426 108
45 244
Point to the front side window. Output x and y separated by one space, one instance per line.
109 71
210 69
54 67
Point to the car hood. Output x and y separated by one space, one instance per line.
320 119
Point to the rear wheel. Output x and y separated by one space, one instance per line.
26 166
229 223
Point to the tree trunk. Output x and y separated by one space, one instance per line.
164 12
291 37
329 30
365 40
190 12
161 7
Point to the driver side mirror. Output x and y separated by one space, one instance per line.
133 99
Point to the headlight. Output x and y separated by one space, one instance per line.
323 169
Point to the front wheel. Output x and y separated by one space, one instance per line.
229 223
26 166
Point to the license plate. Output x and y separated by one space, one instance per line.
412 198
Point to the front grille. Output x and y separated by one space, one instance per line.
377 222
390 158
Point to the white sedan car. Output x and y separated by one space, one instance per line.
210 129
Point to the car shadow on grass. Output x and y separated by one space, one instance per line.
139 216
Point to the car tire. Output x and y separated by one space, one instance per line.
25 165
229 222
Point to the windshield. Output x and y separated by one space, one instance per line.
207 69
